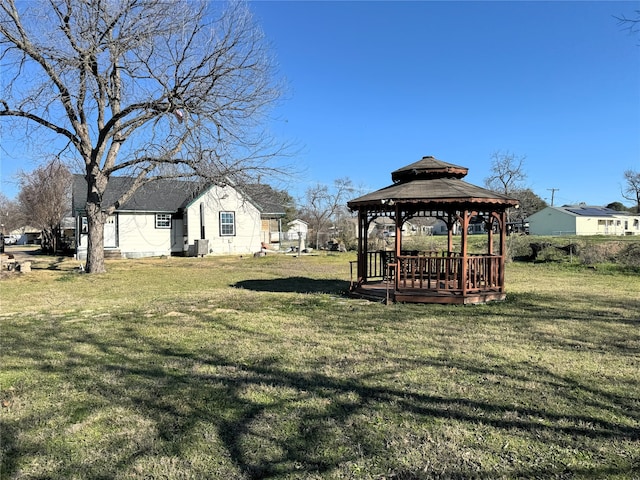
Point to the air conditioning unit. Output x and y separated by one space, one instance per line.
202 247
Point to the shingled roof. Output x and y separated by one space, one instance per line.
431 181
428 168
268 200
159 196
167 195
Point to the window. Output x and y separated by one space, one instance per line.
163 220
227 223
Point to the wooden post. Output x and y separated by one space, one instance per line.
464 267
398 243
491 277
490 235
503 247
362 245
450 223
398 246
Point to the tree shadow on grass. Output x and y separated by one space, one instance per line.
146 401
295 285
599 308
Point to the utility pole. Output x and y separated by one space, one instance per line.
553 191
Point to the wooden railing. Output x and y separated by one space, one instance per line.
483 273
436 271
429 272
377 264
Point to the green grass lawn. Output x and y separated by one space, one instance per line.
247 368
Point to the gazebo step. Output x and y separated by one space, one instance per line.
448 298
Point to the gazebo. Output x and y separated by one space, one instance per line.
433 188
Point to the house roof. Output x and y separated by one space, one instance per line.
166 195
297 220
384 221
268 200
588 211
431 181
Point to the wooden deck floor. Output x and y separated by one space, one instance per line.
385 292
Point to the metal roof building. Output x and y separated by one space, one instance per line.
583 220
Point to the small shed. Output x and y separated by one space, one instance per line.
297 228
432 188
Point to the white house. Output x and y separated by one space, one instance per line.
297 228
583 220
386 227
173 217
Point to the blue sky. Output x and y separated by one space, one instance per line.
374 86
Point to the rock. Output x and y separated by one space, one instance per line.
24 267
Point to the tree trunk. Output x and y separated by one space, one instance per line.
95 245
57 235
44 243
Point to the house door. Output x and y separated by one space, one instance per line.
177 235
110 230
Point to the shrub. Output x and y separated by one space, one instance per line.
629 256
518 247
602 252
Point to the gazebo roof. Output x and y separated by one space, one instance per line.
428 168
431 181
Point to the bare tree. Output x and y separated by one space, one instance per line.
147 89
631 190
631 24
323 205
9 215
44 200
507 175
507 172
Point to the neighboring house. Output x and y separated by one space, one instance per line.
386 227
26 235
270 203
174 217
583 220
440 228
296 228
68 232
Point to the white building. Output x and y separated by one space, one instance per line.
173 217
583 220
296 228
